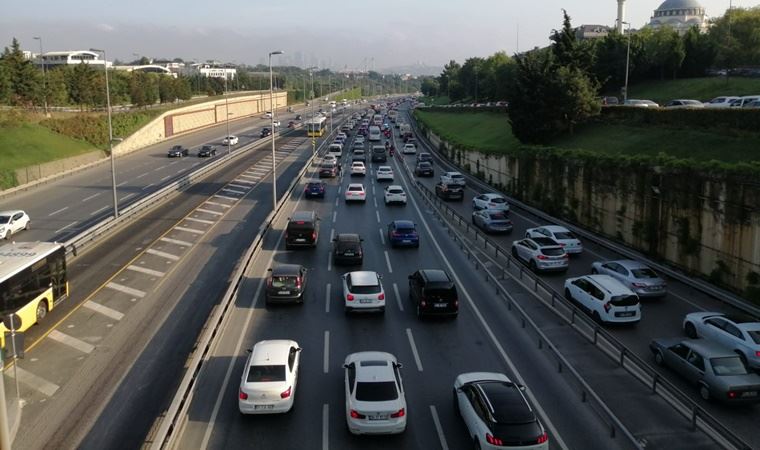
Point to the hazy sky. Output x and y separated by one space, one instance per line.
326 33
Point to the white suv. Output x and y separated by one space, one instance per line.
541 254
384 173
395 194
604 298
375 402
409 149
362 290
453 178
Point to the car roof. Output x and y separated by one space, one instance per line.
453 173
272 352
302 215
384 168
10 212
493 195
555 228
611 285
630 264
356 185
709 349
364 278
286 269
506 402
435 275
395 186
348 237
545 242
403 223
315 182
424 163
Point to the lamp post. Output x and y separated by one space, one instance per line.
227 112
271 105
313 138
110 134
44 76
627 62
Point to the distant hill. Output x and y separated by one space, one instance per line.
415 69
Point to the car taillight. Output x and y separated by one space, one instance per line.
269 282
541 257
356 415
242 395
286 393
543 438
493 440
607 307
313 235
456 304
757 353
423 302
395 234
400 413
731 394
381 296
350 297
638 285
298 283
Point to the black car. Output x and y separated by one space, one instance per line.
315 189
298 117
378 154
449 191
178 151
433 293
207 151
424 169
348 249
302 230
266 132
286 283
424 157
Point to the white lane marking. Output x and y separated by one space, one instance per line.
162 254
438 428
326 358
63 228
242 175
339 188
234 191
87 199
122 183
374 200
325 426
336 201
176 241
414 349
145 270
329 261
388 261
194 165
189 230
244 182
382 236
126 197
126 289
98 211
58 211
332 234
193 219
208 211
225 197
33 381
148 185
328 292
140 176
165 178
377 214
71 341
209 202
398 297
158 168
335 216
105 310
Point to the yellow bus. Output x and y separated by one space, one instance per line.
33 281
315 126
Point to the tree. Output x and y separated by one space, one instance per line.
449 79
166 89
80 81
25 79
58 93
665 50
5 82
430 87
699 53
568 50
736 38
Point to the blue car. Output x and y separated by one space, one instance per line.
403 233
315 189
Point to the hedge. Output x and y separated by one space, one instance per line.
723 119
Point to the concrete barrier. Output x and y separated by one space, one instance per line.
40 171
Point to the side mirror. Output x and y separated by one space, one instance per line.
269 269
249 351
399 365
345 366
299 349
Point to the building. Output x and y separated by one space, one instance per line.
680 15
210 70
71 57
148 68
584 32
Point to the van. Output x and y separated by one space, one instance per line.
335 150
378 154
302 230
374 133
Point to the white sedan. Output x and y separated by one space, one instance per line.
11 222
355 192
230 140
384 173
395 194
358 168
276 123
409 149
375 402
270 376
490 201
562 235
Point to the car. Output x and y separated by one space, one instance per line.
424 157
328 169
717 371
384 173
541 254
363 290
409 149
379 154
449 191
394 194
359 139
335 150
230 140
355 192
636 103
298 117
358 168
496 413
403 233
13 221
207 151
358 155
604 298
564 237
453 178
357 145
738 334
375 400
347 249
286 283
342 135
315 189
433 292
266 131
178 151
684 104
720 102
424 169
276 123
270 377
267 115
302 230
492 221
490 201
636 275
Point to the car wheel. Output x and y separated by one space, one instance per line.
28 225
42 310
658 358
477 445
704 392
533 266
690 330
514 252
568 295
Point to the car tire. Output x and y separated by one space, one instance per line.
597 318
477 445
41 311
658 358
704 392
382 310
533 266
568 295
690 330
28 225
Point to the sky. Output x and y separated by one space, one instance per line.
336 34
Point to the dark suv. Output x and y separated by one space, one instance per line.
378 154
207 151
302 230
286 283
348 249
178 151
433 293
449 191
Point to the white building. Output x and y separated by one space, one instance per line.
148 68
591 32
680 15
71 57
212 70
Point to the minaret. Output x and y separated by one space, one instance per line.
620 15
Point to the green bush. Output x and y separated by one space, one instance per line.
94 128
722 119
7 179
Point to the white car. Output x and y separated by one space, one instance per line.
11 222
270 376
230 140
490 201
342 135
358 168
355 192
604 298
541 254
453 178
267 115
384 173
395 194
509 420
363 291
409 149
720 102
276 123
564 237
740 334
359 139
375 402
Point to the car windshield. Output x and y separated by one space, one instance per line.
381 391
564 235
445 294
355 188
395 191
624 300
284 282
373 289
643 272
456 175
493 200
314 185
262 374
326 166
730 365
5 219
552 251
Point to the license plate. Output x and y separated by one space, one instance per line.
379 417
365 300
349 254
300 240
283 292
406 241
263 407
749 394
627 314
441 305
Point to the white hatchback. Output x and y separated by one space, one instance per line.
384 173
270 376
604 298
395 194
375 401
409 149
358 168
564 237
11 222
230 140
356 192
490 201
453 178
363 290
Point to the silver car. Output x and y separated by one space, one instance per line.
541 254
717 371
492 221
637 276
742 335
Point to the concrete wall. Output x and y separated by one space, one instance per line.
40 171
705 223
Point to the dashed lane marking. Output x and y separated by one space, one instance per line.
63 228
193 219
414 349
148 185
87 199
71 341
145 270
209 202
226 197
189 230
104 310
398 297
126 289
162 254
33 381
438 428
126 197
98 211
234 191
176 241
216 213
58 211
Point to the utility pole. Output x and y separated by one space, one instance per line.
44 77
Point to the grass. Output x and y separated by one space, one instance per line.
349 94
432 101
486 131
703 89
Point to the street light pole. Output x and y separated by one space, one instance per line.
627 62
271 105
110 134
227 113
44 77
